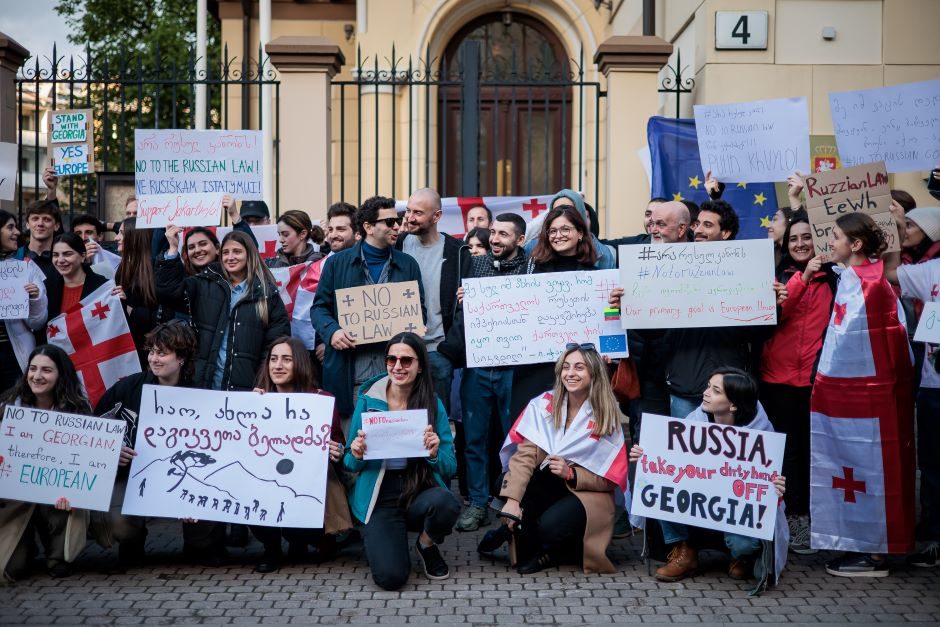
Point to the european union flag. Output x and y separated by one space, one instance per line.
678 175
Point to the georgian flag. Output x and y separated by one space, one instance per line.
862 422
266 234
605 456
298 286
96 336
454 209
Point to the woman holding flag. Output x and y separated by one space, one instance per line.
74 279
569 457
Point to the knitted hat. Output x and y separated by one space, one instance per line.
928 219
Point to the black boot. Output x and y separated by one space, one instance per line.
271 560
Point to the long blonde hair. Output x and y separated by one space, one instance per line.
600 395
255 272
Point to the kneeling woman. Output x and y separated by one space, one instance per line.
50 383
287 370
729 399
566 494
395 496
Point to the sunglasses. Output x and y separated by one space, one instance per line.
585 347
391 360
389 222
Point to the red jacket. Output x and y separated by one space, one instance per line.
790 354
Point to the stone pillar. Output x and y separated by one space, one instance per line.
631 65
12 56
306 66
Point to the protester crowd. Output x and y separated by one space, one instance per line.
206 313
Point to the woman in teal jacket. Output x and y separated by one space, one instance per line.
394 496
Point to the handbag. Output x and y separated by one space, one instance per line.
626 381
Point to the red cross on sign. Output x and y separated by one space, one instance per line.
534 207
848 483
100 311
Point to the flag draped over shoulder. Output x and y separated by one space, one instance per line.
96 337
862 463
604 455
297 286
454 209
677 174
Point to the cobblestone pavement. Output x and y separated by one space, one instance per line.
478 591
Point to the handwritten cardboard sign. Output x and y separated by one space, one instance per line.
395 434
45 455
376 313
754 142
160 210
899 125
237 457
177 161
708 475
72 141
836 193
14 301
700 284
928 329
528 319
8 170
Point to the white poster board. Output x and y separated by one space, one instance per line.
14 301
46 455
928 329
528 319
899 125
708 475
394 434
754 142
698 284
177 161
8 170
237 457
161 210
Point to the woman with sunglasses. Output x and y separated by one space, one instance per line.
394 496
559 487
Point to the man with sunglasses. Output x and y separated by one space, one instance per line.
371 260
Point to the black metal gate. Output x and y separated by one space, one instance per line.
135 91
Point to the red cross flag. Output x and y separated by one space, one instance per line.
297 286
862 446
96 336
454 209
266 234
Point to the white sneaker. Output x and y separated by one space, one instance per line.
799 535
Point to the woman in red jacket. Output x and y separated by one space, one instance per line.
805 287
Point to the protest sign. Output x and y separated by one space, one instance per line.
237 457
394 434
698 284
899 125
161 210
835 193
8 171
928 329
176 161
14 301
46 455
754 142
375 313
708 475
72 142
528 319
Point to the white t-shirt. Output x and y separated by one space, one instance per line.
922 281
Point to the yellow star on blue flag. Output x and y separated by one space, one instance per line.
694 181
759 199
742 185
765 222
678 197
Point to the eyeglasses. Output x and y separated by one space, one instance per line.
391 360
585 347
564 230
389 222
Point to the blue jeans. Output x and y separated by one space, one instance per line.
680 407
739 546
442 371
483 390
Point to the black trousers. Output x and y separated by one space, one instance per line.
788 408
385 536
271 537
553 520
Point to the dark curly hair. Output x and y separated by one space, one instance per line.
177 337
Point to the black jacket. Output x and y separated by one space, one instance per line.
206 296
123 398
451 274
55 284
